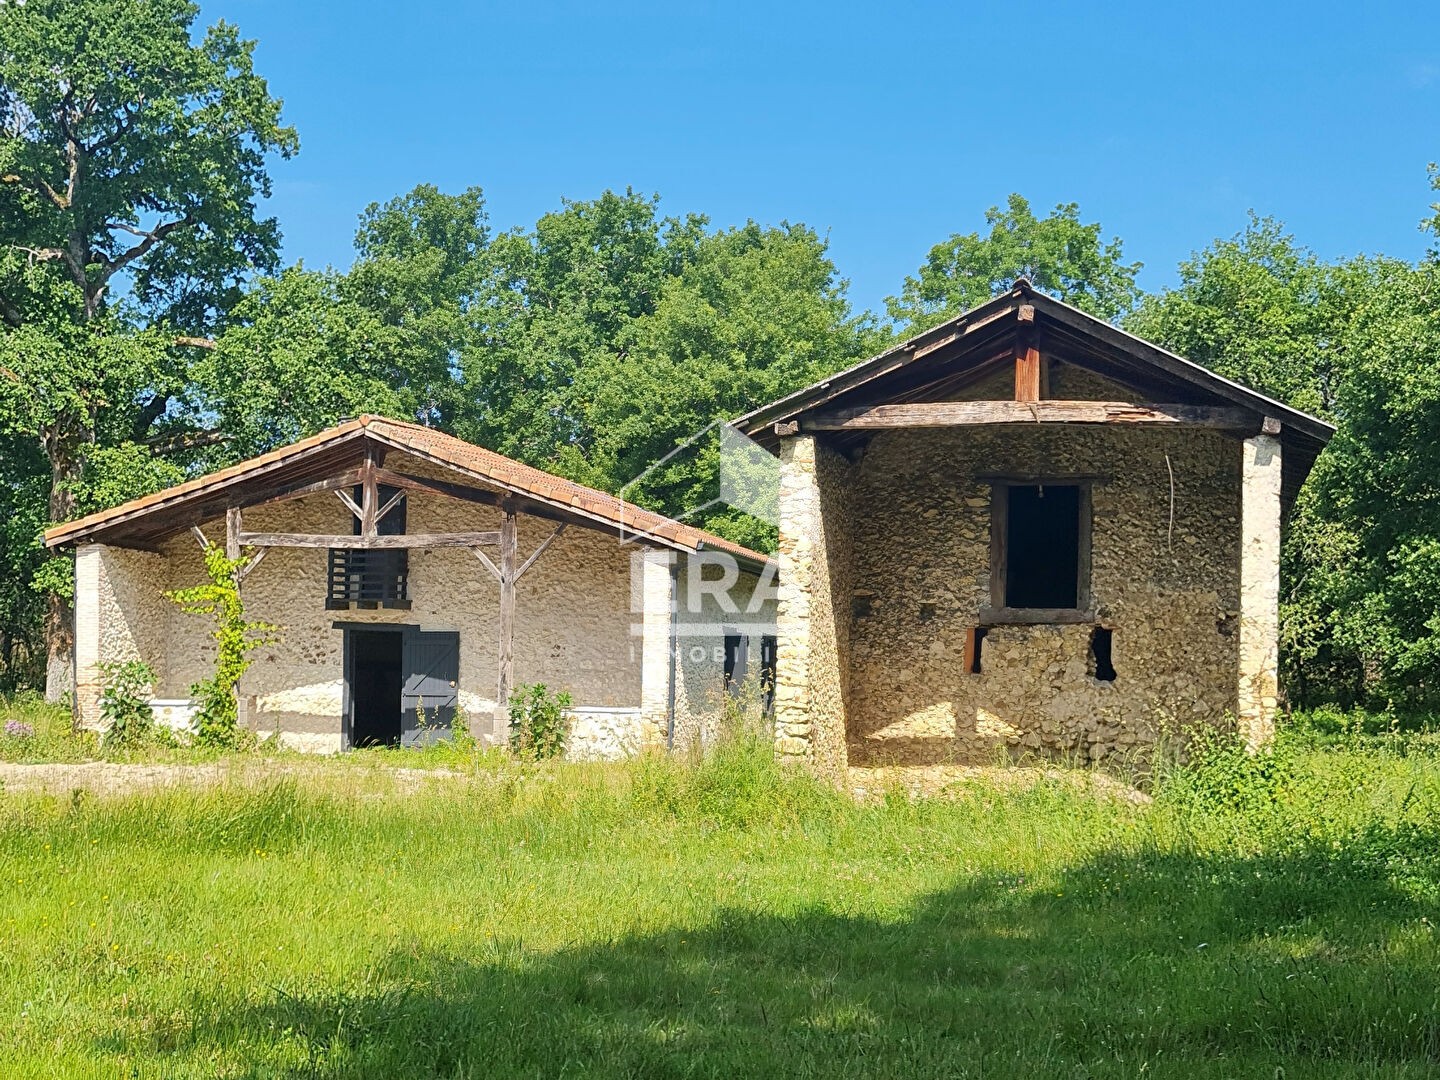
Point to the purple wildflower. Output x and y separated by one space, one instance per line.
18 729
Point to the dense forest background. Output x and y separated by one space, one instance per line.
148 332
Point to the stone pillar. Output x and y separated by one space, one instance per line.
810 678
1258 684
651 600
89 574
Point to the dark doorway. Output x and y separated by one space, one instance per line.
376 680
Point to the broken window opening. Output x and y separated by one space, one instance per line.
1102 640
1042 546
974 645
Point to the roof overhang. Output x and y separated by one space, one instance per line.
313 464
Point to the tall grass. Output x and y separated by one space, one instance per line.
1263 916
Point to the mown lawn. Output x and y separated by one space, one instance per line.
1272 917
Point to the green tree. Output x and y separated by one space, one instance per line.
609 335
305 348
561 299
1263 310
1060 254
755 314
131 157
1377 488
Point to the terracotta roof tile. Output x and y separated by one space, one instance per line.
476 461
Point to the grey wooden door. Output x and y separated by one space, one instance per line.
431 689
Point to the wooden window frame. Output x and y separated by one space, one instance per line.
999 613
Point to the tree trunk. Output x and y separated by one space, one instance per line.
60 611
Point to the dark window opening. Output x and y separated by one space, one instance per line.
737 660
1101 641
974 645
374 577
769 646
1042 546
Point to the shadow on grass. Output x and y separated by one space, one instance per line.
1153 964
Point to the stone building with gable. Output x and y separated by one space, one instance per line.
415 577
1025 530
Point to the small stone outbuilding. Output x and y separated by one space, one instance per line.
1026 531
415 577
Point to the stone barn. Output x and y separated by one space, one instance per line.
1026 531
415 576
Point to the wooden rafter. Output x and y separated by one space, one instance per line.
368 543
962 413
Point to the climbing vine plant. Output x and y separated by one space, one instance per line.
217 719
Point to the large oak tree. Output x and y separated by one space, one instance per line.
132 158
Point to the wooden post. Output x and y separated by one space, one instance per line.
232 533
369 496
1028 372
508 578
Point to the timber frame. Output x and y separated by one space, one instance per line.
928 382
363 454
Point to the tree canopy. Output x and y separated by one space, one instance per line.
1060 254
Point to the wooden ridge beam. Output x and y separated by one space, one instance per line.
366 543
974 413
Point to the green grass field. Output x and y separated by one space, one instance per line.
1262 917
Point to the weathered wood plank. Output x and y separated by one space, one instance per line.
284 492
509 537
249 567
354 508
232 533
410 540
960 413
390 504
538 552
1027 373
369 492
1034 616
489 565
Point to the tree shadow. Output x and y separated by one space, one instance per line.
1127 965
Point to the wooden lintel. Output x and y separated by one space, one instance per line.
409 540
962 413
1034 616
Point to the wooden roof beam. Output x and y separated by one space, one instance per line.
974 413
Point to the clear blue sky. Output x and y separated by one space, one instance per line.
889 126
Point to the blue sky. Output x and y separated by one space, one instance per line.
889 127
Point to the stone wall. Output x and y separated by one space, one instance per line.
573 629
592 617
813 692
1259 675
1169 591
714 597
120 615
